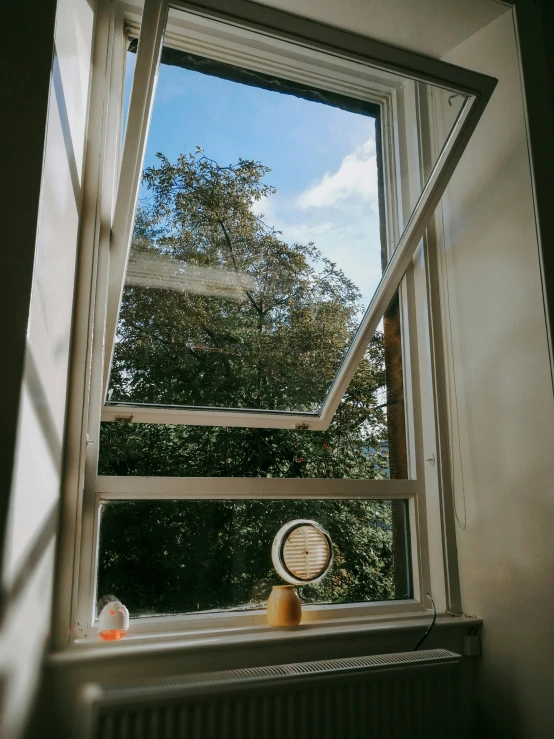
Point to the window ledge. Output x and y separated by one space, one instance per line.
90 650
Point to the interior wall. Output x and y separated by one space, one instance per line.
430 27
535 31
44 333
501 400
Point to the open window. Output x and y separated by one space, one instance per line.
199 244
264 352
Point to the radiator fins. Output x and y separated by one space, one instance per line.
398 696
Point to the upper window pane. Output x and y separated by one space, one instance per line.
256 246
269 208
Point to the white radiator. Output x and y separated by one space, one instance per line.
415 694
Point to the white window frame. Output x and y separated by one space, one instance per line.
107 228
478 89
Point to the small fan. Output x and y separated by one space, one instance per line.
302 552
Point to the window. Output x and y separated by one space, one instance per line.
261 358
187 556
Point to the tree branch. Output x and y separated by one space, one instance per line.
230 245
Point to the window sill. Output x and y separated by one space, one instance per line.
374 628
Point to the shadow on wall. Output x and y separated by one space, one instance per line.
25 608
48 529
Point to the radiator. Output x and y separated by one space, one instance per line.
415 694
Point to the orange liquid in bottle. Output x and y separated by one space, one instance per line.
113 634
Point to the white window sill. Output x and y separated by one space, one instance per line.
207 639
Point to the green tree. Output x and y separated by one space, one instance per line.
220 311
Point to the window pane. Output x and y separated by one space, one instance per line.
262 227
257 242
365 440
431 103
130 59
184 556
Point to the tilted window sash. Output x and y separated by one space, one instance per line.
281 28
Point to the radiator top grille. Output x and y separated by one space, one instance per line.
171 685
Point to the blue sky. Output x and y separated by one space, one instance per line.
322 160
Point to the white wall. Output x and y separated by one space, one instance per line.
430 27
504 446
29 547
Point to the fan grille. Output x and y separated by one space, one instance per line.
306 552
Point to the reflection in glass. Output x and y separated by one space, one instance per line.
433 103
164 272
187 556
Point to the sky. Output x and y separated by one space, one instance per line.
322 160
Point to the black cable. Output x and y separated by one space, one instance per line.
430 627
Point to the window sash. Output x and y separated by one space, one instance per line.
477 87
111 488
108 487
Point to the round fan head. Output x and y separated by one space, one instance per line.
302 552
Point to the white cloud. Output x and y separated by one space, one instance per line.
347 230
261 206
352 243
356 178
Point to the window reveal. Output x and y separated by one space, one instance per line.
152 267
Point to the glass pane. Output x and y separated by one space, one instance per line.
130 60
365 440
424 144
231 266
268 211
162 557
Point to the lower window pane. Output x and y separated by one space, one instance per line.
164 557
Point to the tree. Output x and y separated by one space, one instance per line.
220 311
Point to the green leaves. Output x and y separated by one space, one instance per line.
220 311
183 556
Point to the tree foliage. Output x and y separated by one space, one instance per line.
181 556
236 317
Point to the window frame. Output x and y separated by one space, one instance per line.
433 564
108 488
153 28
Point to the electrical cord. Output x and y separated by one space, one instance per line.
430 627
